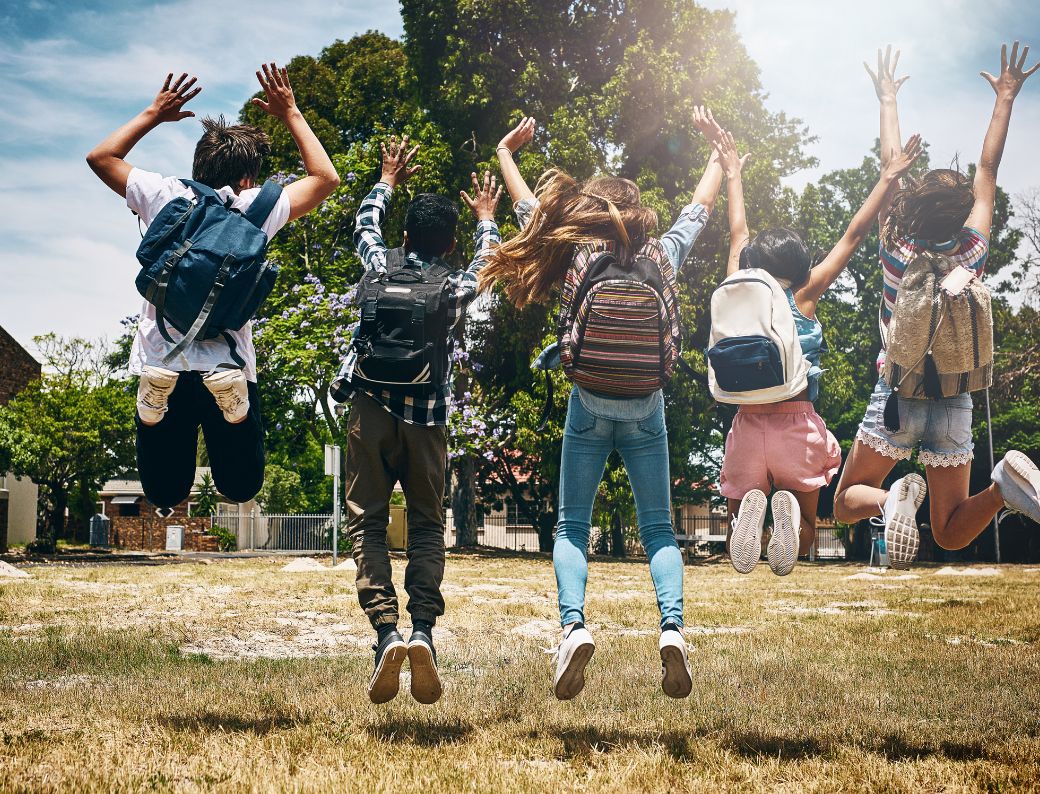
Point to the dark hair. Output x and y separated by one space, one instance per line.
932 208
430 223
781 252
228 153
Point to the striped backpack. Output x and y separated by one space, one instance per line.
619 322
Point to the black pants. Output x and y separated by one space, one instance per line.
166 452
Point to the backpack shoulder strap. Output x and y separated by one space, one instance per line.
202 190
395 259
258 212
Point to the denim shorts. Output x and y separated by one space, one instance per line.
939 429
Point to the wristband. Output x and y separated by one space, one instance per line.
500 148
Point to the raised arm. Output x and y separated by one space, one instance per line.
886 86
107 159
732 164
368 234
307 193
1006 86
825 273
521 134
483 204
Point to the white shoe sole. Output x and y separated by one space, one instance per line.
426 683
572 679
1025 471
676 680
386 680
745 543
901 536
782 552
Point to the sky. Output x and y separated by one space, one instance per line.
73 71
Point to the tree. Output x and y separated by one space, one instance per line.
206 498
69 431
281 491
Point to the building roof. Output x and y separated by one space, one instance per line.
117 488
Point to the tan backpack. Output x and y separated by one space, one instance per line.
938 345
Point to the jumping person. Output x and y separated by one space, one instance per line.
397 377
185 386
786 445
567 227
940 219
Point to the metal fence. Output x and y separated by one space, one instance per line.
278 532
497 532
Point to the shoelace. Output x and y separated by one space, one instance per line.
228 399
155 396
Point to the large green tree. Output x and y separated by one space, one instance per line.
70 430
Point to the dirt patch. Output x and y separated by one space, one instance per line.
8 571
951 571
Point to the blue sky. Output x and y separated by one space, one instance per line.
72 71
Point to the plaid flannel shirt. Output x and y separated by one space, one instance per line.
368 238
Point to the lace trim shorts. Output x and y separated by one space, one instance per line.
939 429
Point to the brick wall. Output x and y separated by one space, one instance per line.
17 367
148 533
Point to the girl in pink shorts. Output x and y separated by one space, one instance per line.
785 447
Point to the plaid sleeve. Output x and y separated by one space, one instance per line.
524 210
485 239
368 237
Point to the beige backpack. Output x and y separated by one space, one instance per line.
937 344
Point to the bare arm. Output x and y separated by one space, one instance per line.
107 159
513 141
732 165
307 193
1006 86
707 190
886 86
825 273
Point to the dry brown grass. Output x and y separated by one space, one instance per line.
152 678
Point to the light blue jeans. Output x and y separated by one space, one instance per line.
596 426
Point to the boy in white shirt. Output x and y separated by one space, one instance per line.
174 399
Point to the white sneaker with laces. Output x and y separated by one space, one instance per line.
676 677
900 520
230 391
572 655
1018 479
745 543
153 393
782 551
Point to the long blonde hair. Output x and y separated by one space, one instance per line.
569 214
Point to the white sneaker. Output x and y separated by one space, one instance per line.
745 543
572 655
676 678
1018 479
782 552
900 520
153 393
231 393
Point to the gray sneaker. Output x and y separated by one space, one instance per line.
745 542
1018 479
900 520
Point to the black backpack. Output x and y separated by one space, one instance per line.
402 342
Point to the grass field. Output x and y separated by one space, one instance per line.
235 675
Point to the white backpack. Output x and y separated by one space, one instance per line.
754 355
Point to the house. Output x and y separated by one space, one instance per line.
136 523
18 495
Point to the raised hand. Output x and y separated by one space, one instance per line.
886 84
516 138
901 162
396 159
705 124
275 84
1011 78
485 197
171 98
732 163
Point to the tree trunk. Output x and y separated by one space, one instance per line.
546 527
617 535
464 502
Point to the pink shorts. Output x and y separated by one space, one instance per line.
781 446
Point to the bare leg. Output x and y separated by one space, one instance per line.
958 519
807 503
860 494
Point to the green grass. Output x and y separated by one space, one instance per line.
134 678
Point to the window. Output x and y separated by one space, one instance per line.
129 509
514 516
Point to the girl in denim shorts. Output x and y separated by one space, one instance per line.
941 206
786 446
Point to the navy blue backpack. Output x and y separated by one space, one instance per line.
204 265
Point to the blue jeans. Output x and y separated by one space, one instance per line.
595 427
